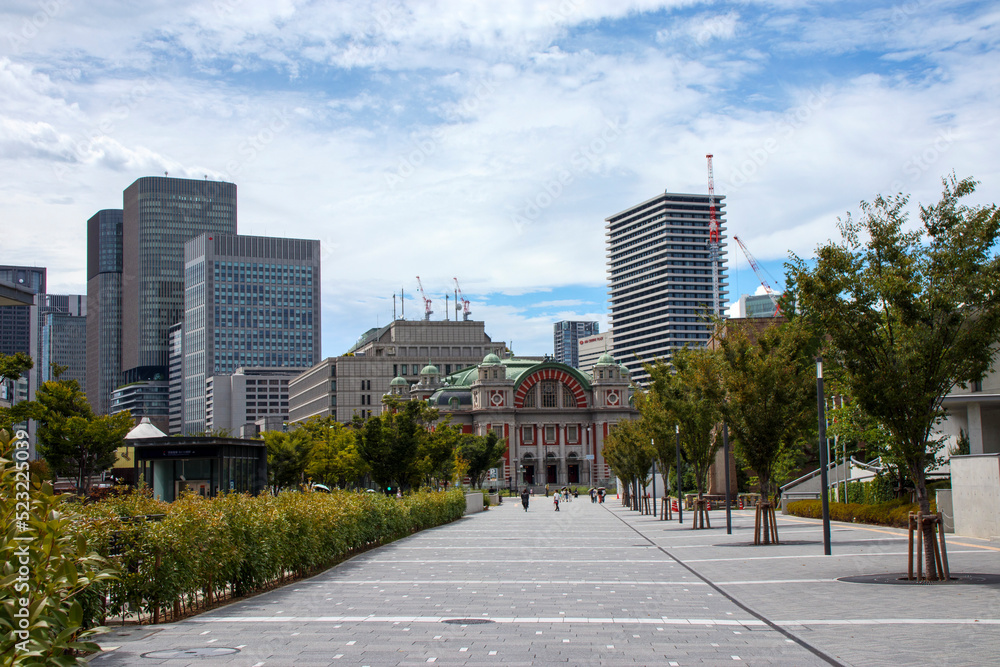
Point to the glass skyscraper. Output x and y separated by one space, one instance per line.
660 277
566 340
249 301
104 308
160 215
15 321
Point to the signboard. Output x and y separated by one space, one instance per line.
589 457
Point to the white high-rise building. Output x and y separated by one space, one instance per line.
660 277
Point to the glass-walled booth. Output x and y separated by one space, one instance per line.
206 466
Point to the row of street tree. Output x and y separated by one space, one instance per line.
406 447
900 314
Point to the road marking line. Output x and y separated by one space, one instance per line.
886 553
615 620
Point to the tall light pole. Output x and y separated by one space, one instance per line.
652 443
725 456
824 456
680 504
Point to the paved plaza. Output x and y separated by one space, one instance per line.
599 585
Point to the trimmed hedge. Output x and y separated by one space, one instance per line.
894 513
186 554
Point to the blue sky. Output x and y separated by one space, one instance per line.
487 141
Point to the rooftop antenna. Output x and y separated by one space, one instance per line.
393 306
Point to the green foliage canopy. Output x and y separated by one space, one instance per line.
909 312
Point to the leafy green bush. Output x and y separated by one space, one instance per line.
893 513
192 551
48 575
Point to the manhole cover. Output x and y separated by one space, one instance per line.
467 621
191 653
900 579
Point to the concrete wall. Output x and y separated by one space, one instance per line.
473 503
975 489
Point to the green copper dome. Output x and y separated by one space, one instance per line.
399 382
606 360
430 369
491 359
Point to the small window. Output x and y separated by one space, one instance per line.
550 434
527 434
573 433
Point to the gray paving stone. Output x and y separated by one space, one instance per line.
564 587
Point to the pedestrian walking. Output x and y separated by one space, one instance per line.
593 495
546 490
600 495
555 500
524 499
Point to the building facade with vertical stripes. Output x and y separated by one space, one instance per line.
249 301
660 277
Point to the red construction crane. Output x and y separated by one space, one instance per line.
760 276
459 297
427 302
713 239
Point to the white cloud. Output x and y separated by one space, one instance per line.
484 141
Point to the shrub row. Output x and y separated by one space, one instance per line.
893 513
185 554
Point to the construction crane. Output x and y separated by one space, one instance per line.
760 275
713 239
459 297
427 302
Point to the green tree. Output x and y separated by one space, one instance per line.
482 452
689 393
70 438
12 367
909 313
287 457
768 382
629 453
435 460
333 457
388 443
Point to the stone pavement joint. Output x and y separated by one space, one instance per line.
577 587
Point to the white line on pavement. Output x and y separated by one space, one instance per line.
884 553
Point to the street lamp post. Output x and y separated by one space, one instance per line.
824 456
680 503
725 456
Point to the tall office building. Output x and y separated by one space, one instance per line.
104 308
753 305
15 321
660 277
175 379
566 340
160 215
58 336
249 301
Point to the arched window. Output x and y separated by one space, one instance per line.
529 398
569 400
549 389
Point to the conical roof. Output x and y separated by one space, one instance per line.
145 429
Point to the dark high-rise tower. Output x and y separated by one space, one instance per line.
660 277
15 321
160 215
104 308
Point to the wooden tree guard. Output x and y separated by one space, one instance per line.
916 522
665 512
645 504
765 525
700 519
